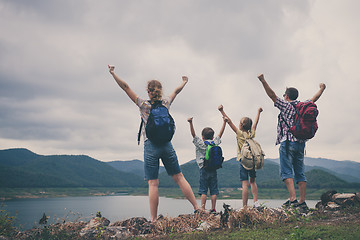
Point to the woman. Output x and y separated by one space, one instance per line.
153 152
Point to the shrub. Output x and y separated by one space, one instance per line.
7 224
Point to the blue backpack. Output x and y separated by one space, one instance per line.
160 126
213 157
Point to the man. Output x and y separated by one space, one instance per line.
291 149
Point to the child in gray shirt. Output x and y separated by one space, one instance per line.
208 178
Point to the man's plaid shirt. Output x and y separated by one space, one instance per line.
287 113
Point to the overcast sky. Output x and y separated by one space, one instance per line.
57 96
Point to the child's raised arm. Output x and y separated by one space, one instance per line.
257 118
319 93
223 126
132 95
179 88
231 124
192 130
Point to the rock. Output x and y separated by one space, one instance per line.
319 206
95 227
121 235
118 232
204 226
332 206
327 197
357 199
346 199
136 225
332 200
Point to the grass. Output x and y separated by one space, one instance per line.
290 232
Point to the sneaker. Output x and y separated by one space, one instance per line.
199 210
256 204
302 206
212 211
289 203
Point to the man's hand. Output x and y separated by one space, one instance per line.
221 108
111 69
185 79
190 120
261 77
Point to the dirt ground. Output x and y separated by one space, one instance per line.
351 215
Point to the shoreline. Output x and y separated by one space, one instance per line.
8 194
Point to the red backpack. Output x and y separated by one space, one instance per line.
305 124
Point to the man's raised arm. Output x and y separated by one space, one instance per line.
319 93
267 88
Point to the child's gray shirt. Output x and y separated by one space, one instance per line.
200 148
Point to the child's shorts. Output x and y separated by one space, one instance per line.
208 181
245 174
152 154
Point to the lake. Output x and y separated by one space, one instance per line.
28 212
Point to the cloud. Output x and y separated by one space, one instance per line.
56 96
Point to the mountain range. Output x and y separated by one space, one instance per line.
23 168
346 170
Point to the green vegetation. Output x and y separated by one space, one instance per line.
291 232
7 223
66 171
266 178
21 168
24 174
11 193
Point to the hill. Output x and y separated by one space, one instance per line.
23 168
345 170
267 177
133 166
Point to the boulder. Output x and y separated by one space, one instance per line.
95 227
331 200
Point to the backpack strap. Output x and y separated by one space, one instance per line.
209 143
208 146
253 160
248 135
141 125
293 103
156 103
282 131
139 133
